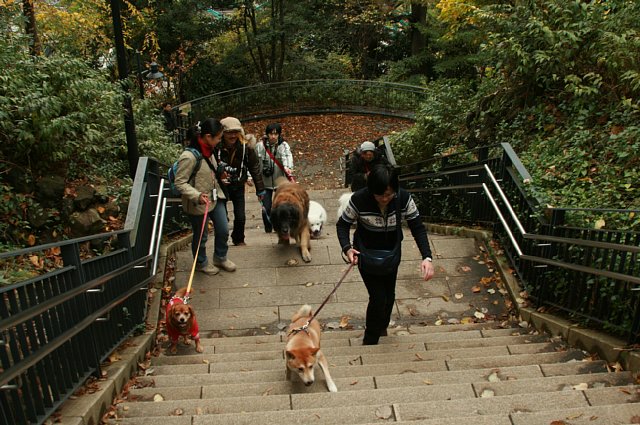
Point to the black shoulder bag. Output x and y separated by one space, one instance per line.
382 261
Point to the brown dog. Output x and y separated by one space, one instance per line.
290 216
181 321
303 349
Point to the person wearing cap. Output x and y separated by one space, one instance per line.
362 161
236 161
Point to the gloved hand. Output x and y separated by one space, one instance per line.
261 194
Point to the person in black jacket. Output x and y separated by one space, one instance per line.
362 161
236 160
373 208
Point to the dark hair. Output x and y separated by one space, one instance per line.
277 127
381 177
209 126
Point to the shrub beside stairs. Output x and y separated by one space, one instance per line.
488 373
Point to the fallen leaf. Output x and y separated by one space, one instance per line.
479 314
466 320
465 268
354 383
487 393
268 391
476 289
580 387
459 295
493 377
384 412
419 357
438 322
344 322
158 397
427 382
291 262
445 298
177 412
491 291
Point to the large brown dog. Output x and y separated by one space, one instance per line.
290 216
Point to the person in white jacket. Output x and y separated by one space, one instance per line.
276 161
199 186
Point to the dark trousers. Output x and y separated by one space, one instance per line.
382 296
236 196
267 202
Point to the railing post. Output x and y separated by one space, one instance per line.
71 257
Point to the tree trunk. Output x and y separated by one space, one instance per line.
418 19
31 28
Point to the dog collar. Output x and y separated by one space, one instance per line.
300 329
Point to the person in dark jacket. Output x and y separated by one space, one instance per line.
373 208
236 160
362 161
169 119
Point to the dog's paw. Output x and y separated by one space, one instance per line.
332 387
306 257
173 349
199 347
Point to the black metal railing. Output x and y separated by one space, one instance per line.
303 97
564 262
58 327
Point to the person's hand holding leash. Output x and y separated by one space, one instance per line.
426 269
352 255
261 194
203 199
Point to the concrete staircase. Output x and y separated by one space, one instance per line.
491 372
455 374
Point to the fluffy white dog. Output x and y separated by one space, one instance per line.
343 203
317 219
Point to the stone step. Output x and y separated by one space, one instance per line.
343 356
518 380
433 340
208 405
590 415
276 409
202 377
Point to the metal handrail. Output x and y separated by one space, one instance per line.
544 252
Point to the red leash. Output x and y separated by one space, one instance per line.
314 315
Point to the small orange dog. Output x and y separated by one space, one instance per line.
303 349
181 321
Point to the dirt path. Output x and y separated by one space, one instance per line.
318 142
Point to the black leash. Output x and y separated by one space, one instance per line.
314 315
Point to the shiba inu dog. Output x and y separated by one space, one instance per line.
303 352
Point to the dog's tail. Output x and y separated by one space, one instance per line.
304 311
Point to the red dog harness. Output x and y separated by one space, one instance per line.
175 333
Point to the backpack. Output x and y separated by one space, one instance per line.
173 170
